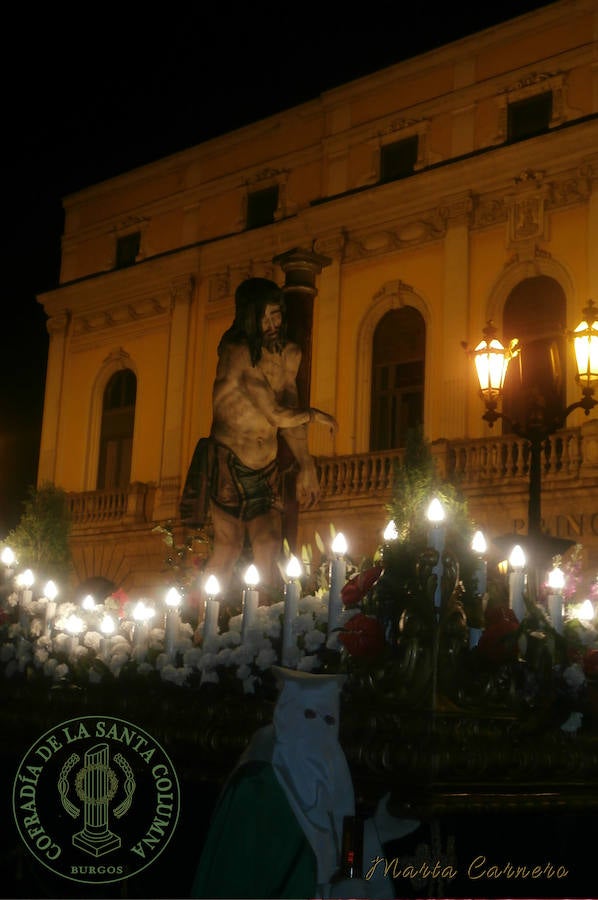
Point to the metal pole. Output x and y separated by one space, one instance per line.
535 487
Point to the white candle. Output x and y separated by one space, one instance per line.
250 600
50 594
516 582
173 622
25 581
479 546
142 614
338 576
291 601
107 627
74 625
210 628
556 583
436 536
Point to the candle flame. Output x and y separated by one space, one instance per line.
390 532
478 543
212 586
556 579
173 597
252 576
436 512
517 558
293 569
339 544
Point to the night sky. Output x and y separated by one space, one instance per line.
86 99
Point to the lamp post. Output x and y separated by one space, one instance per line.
492 359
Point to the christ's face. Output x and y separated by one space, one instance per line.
270 325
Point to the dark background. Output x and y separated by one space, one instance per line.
94 93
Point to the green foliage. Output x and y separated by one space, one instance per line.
416 482
41 539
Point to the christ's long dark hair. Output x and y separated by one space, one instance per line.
251 298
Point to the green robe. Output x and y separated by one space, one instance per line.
255 847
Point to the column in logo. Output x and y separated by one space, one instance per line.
96 784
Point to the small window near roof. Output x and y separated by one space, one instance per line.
127 249
529 117
398 160
261 207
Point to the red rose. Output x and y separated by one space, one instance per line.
353 592
362 636
122 599
590 663
494 644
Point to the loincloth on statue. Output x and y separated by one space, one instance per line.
216 474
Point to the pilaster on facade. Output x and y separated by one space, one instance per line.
58 327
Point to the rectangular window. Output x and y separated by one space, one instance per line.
398 160
127 249
261 207
527 118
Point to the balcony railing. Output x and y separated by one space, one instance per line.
478 464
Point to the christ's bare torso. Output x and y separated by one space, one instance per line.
248 401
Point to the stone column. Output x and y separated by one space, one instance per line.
57 329
170 487
456 210
300 267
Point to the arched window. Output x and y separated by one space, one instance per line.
116 436
398 360
535 382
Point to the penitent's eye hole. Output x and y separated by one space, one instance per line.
309 713
330 720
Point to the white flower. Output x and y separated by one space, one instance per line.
303 623
145 668
249 684
36 628
242 655
175 675
12 668
574 676
92 640
7 651
265 658
40 656
192 657
243 672
60 672
209 676
573 722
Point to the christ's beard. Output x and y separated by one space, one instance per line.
273 344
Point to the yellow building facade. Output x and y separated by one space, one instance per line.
406 209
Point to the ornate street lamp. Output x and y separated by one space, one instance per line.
492 359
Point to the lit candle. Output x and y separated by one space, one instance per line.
50 594
436 535
250 600
107 627
586 611
556 583
338 575
479 547
210 627
516 581
25 581
173 621
291 601
74 625
8 560
142 613
88 603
